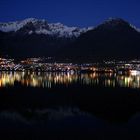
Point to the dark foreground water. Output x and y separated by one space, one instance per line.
69 106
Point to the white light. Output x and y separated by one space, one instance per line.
135 72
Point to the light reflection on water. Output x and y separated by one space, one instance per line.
47 80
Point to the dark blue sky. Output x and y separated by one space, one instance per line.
71 12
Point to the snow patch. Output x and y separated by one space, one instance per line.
42 27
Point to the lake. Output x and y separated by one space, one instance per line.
70 105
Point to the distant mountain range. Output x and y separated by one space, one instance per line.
34 26
115 38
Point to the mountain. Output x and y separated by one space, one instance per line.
32 37
115 38
32 25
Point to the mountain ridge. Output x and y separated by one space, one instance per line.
41 26
113 39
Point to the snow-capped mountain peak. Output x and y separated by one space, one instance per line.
15 26
42 27
29 20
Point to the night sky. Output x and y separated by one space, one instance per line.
81 13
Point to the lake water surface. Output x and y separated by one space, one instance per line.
69 105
